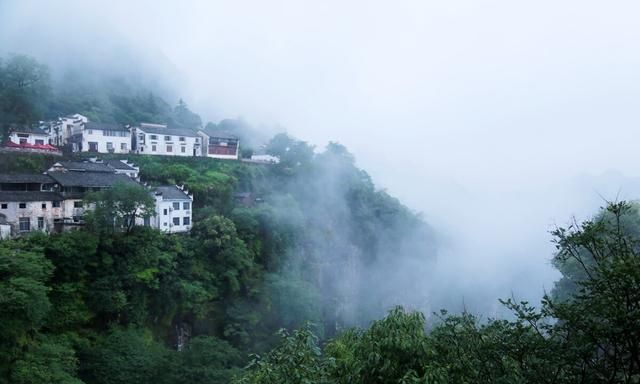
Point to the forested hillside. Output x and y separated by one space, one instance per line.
111 305
273 246
291 274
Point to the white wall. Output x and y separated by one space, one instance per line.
69 210
5 231
97 136
33 210
69 126
155 144
165 215
29 137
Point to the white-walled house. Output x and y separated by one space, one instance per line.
53 201
156 139
101 138
61 130
124 167
29 202
219 145
174 207
28 135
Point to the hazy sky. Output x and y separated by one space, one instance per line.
494 118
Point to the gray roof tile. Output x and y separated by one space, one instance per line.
7 196
23 178
169 131
83 166
171 192
89 179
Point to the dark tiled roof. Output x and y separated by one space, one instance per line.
86 166
23 178
171 192
219 133
89 179
118 164
34 130
169 131
104 126
6 196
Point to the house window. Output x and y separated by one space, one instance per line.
44 205
22 205
154 137
176 221
165 224
123 146
25 224
153 148
109 146
165 212
176 206
4 206
186 221
56 204
182 138
40 222
90 131
76 219
167 138
169 148
77 204
39 142
184 149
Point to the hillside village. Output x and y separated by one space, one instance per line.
52 202
76 133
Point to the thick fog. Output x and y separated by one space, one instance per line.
496 119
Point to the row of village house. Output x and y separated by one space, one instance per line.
53 201
81 135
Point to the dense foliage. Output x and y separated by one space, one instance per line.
115 303
590 335
307 244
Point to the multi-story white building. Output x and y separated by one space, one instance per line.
156 139
53 202
219 145
29 202
101 138
173 209
61 130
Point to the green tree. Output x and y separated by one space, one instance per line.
123 356
23 290
24 304
296 360
24 91
391 350
119 207
47 360
185 118
293 154
205 360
